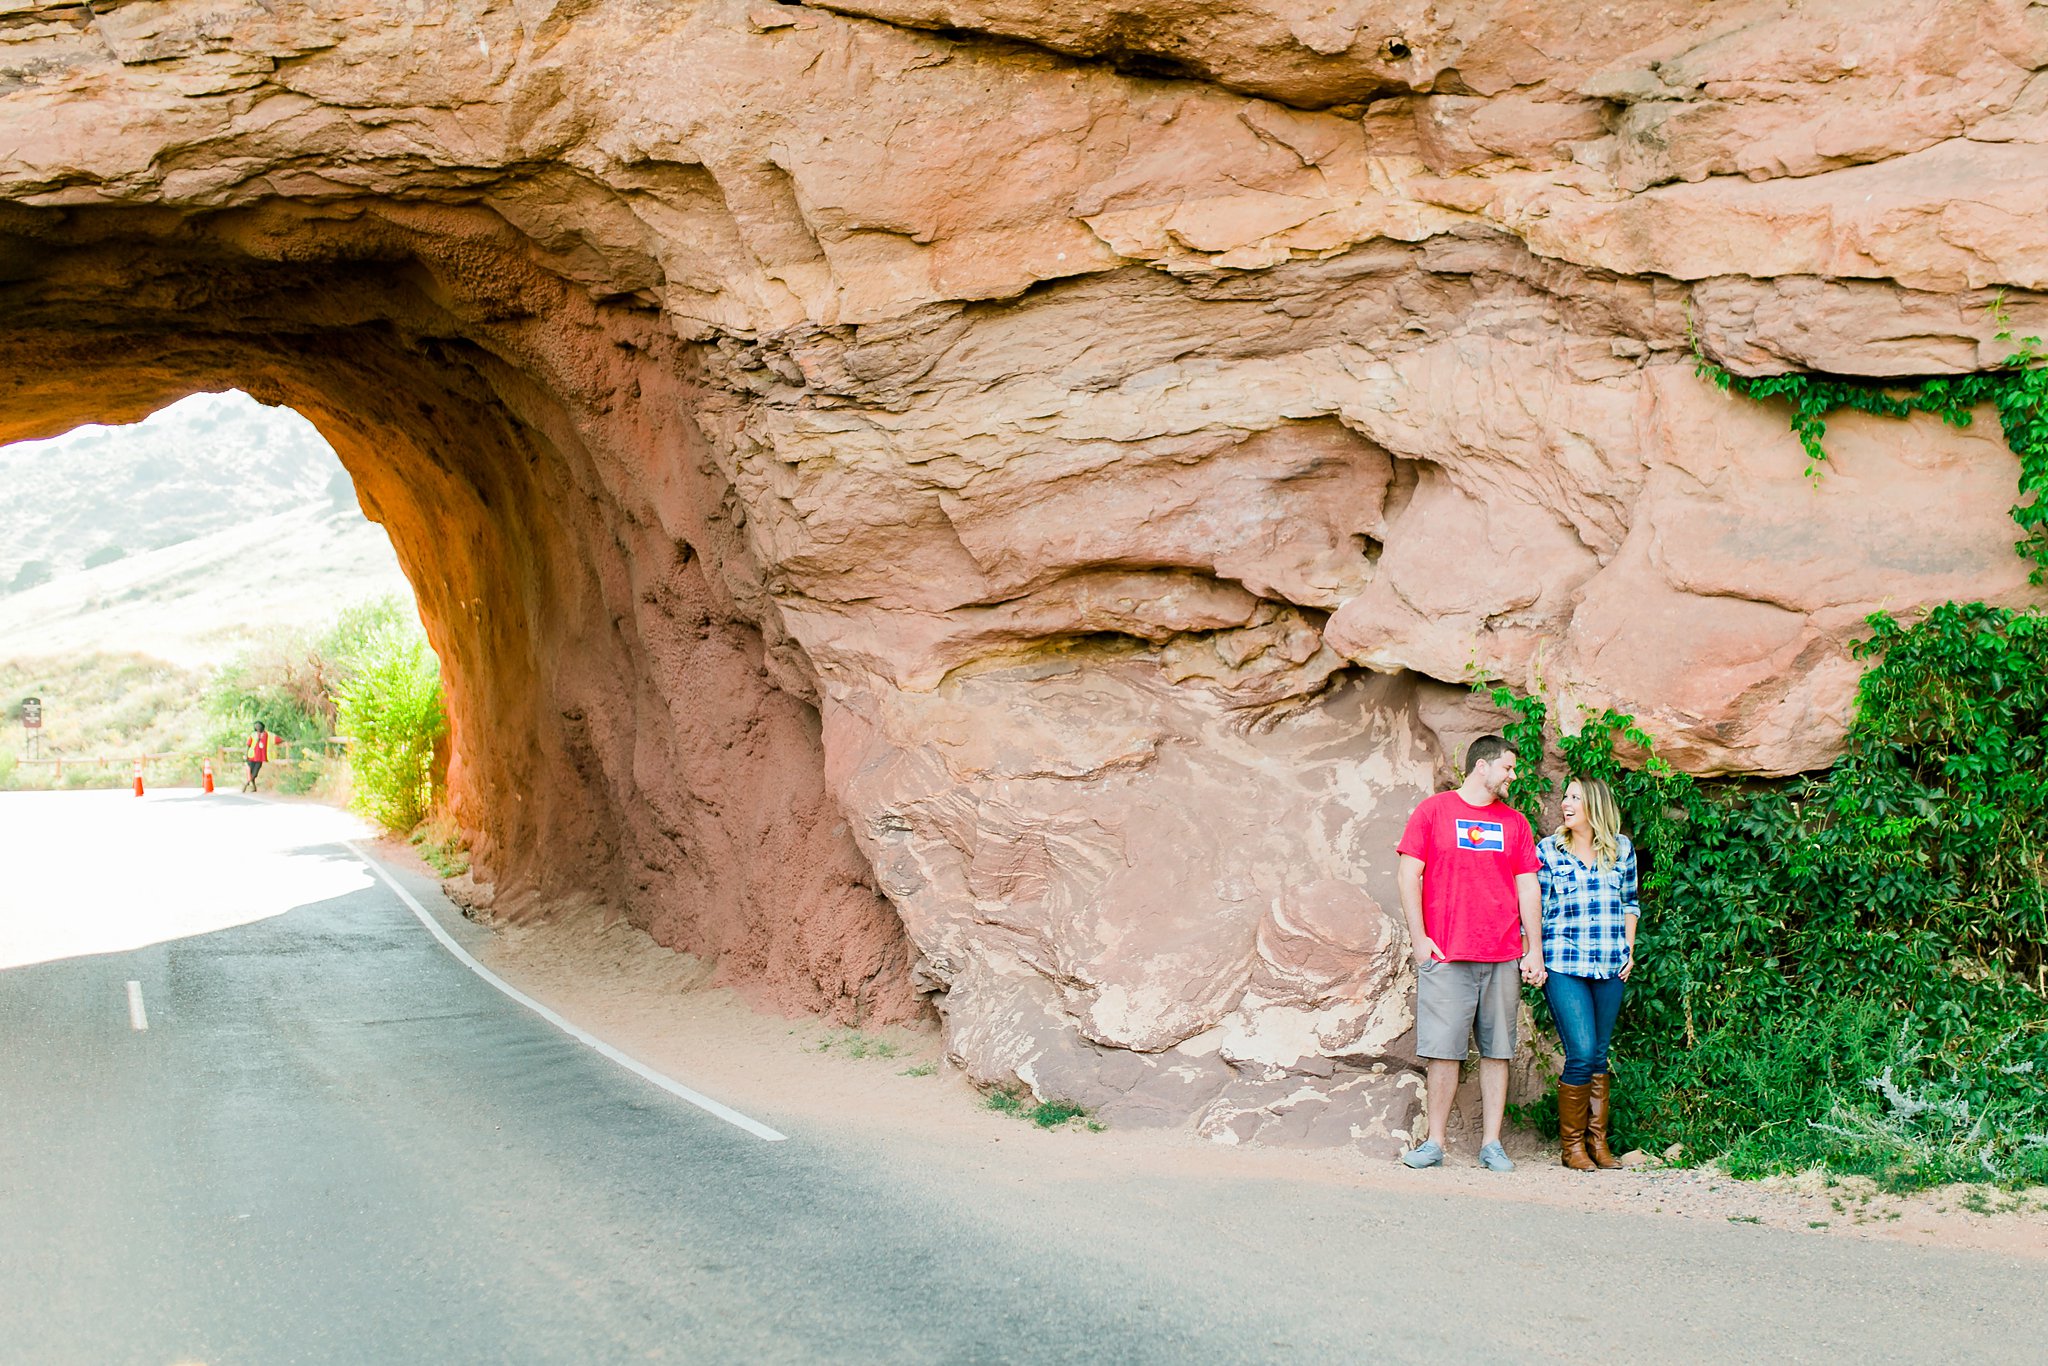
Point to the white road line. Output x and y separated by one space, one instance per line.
633 1065
136 1017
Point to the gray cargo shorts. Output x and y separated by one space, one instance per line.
1451 997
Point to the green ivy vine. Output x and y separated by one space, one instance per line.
2018 390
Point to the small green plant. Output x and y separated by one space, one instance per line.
32 574
1046 1114
852 1043
441 846
922 1069
1539 1114
1006 1103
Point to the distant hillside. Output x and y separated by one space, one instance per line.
214 523
203 465
202 601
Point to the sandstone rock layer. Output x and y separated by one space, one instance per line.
1000 505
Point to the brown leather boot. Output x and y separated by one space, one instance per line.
1571 1125
1597 1111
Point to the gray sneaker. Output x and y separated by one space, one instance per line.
1426 1155
1493 1157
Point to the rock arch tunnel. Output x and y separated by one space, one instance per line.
1006 506
616 736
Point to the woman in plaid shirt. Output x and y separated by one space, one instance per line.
1587 873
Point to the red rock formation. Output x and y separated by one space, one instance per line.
1054 467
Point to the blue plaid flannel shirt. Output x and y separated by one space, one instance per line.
1583 906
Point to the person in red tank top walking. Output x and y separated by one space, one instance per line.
259 751
1475 926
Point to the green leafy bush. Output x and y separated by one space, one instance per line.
284 683
358 629
1850 969
390 710
292 681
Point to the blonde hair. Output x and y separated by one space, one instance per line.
1603 814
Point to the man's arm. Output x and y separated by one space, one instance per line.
1531 904
1410 878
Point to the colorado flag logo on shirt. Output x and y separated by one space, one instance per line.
1483 836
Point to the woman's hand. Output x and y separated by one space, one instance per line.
1629 964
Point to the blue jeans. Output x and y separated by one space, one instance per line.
1584 1008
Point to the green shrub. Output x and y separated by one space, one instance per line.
1046 1114
283 683
390 710
111 706
1850 968
356 631
441 844
301 776
292 681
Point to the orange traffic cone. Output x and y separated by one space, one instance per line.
206 769
138 777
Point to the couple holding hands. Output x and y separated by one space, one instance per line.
1490 907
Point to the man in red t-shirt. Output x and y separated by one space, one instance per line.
1468 886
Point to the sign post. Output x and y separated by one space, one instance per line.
32 723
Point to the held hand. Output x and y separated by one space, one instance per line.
1426 952
1533 971
1628 964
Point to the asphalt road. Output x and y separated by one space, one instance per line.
335 1143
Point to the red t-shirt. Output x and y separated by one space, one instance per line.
259 745
1470 857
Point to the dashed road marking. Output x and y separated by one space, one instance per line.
633 1065
137 1017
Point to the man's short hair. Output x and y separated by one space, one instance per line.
1485 750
